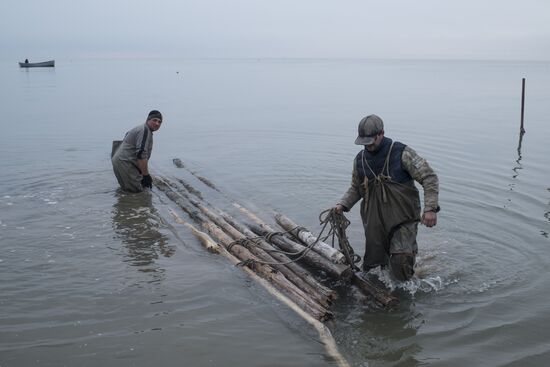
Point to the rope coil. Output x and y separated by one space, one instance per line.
338 224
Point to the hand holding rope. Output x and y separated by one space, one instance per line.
338 224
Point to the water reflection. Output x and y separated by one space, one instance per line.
547 216
136 222
392 341
518 166
372 336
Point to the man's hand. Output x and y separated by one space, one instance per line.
147 181
429 219
339 208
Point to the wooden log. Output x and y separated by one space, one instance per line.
190 188
253 217
380 295
304 274
309 239
313 259
210 246
182 201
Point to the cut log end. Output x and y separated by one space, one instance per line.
380 295
207 242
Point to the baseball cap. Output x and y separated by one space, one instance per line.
369 127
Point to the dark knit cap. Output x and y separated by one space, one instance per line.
154 114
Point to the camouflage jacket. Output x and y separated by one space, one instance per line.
416 166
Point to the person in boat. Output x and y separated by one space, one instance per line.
131 158
26 61
383 176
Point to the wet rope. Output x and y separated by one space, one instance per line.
253 241
338 224
330 218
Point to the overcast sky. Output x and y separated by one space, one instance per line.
432 29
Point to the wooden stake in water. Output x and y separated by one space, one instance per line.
522 130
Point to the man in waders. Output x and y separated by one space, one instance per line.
131 156
383 176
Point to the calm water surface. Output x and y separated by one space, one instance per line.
91 276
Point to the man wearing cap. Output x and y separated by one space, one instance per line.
130 159
383 176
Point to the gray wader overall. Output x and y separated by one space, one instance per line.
390 212
137 144
126 173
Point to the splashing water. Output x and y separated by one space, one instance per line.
424 284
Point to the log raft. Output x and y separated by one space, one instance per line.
264 251
264 257
307 302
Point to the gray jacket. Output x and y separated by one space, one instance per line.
137 144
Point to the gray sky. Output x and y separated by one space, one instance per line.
438 29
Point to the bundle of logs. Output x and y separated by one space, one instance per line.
281 258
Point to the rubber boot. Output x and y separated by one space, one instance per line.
402 266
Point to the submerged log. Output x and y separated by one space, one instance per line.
190 188
253 217
309 239
211 246
178 163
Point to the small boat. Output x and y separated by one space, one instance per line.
44 64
